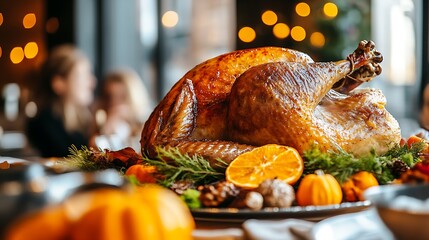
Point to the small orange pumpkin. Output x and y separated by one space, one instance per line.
143 173
354 187
319 189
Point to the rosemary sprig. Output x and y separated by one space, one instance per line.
86 159
343 165
176 166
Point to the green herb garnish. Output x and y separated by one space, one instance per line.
85 159
343 165
191 198
176 166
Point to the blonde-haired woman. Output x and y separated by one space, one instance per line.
64 97
125 105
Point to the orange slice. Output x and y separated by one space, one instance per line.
270 161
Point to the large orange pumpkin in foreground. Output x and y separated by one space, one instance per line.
148 212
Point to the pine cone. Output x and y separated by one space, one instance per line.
217 194
398 167
276 193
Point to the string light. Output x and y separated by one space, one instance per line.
170 19
302 9
1 19
269 18
29 20
298 33
30 50
330 10
317 39
247 34
17 55
281 30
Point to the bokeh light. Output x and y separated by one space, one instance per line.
29 20
1 19
247 34
30 109
1 52
317 39
302 9
298 33
17 55
281 30
269 18
170 19
52 25
30 50
330 10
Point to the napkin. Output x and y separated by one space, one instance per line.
253 229
287 229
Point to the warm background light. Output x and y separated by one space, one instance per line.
330 10
247 34
317 39
302 9
30 109
1 19
29 20
30 50
1 52
281 30
298 33
16 55
170 19
269 18
52 25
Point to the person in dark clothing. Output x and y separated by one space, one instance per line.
65 95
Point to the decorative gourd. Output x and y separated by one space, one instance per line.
143 173
319 189
354 187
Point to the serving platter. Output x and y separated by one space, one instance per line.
311 213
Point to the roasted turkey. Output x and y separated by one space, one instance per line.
237 101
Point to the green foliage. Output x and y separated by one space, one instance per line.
191 198
176 166
342 165
84 159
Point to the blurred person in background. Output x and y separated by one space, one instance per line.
124 105
66 93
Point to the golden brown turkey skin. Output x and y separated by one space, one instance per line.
234 102
192 116
289 104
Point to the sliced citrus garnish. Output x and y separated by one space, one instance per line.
270 161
